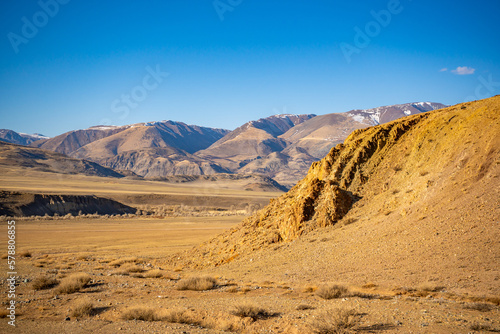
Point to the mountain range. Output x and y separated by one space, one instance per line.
281 147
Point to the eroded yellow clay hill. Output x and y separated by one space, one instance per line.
426 166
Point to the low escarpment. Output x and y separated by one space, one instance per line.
17 204
397 168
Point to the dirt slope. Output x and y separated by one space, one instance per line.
413 200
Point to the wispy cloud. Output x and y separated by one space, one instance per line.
443 70
463 70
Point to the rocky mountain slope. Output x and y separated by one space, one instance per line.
190 138
13 137
155 149
413 200
286 154
71 141
253 139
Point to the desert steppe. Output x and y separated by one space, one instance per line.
416 252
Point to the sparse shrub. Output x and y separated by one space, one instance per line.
304 307
423 173
197 283
331 291
251 311
397 168
44 282
73 283
336 321
140 313
82 308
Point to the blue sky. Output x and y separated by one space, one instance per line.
84 63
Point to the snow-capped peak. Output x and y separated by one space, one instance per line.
34 135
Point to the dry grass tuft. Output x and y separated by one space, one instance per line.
197 283
483 307
251 311
73 283
309 289
119 262
127 269
82 308
44 282
140 313
429 287
233 289
481 327
494 300
155 273
304 307
181 317
336 321
3 313
25 254
364 295
331 291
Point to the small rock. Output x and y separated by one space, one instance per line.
67 319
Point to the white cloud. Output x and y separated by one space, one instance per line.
443 70
463 70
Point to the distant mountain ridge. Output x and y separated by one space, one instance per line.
19 138
281 147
